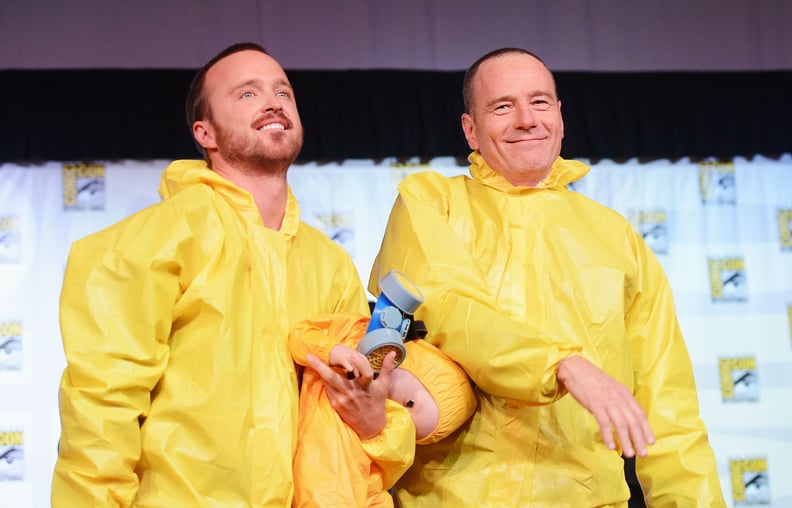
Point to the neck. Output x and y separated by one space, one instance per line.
270 192
529 179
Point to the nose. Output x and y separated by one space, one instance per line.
526 117
270 102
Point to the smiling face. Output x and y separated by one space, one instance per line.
252 122
515 118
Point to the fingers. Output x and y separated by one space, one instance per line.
388 364
606 431
625 423
640 432
625 418
646 430
344 358
328 375
358 371
618 414
360 402
363 371
629 442
357 366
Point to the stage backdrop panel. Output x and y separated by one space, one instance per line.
723 232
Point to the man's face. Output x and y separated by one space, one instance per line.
515 119
253 120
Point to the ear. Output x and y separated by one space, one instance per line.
562 119
468 127
204 134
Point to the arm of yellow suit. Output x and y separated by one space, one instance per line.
680 469
504 357
115 322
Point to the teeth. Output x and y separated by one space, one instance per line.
272 126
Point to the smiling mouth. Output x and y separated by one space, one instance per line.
272 127
525 140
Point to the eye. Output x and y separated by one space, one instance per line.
410 403
541 104
247 95
502 108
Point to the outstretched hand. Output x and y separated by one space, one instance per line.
360 402
611 403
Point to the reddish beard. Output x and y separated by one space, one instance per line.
248 152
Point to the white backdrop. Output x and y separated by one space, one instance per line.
722 231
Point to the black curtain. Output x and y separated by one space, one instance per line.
70 115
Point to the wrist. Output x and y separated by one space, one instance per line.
372 431
565 368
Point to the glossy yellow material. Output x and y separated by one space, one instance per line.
514 279
446 382
332 466
180 389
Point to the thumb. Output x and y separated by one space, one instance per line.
388 364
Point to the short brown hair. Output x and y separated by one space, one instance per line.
467 82
196 106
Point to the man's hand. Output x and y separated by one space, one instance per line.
360 402
349 359
611 403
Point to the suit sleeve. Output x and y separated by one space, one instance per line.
504 357
115 323
393 450
680 469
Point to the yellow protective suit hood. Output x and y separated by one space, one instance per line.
446 382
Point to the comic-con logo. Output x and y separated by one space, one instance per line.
728 281
785 228
651 225
340 228
12 456
10 346
716 183
739 379
10 245
750 481
83 187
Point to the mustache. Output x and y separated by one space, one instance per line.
269 117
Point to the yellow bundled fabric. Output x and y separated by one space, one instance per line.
332 466
447 383
180 389
515 279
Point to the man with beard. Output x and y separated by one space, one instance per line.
179 388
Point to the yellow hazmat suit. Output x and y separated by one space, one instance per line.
332 466
180 389
514 279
